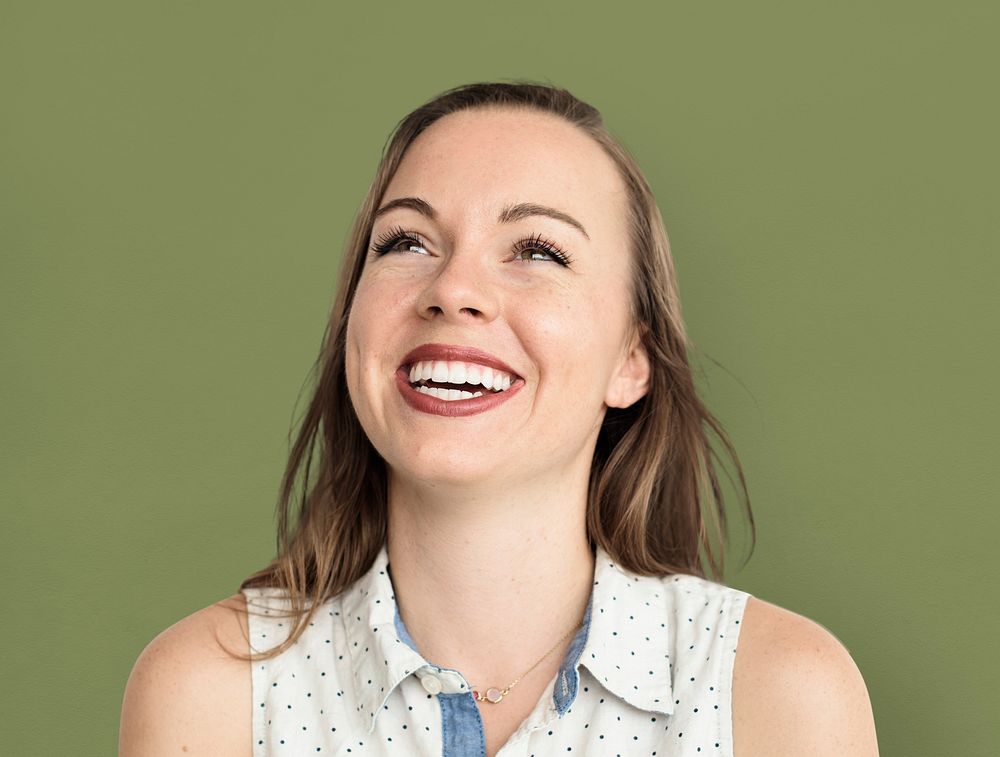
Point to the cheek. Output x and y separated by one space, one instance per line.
368 313
361 321
592 318
375 318
380 298
578 342
570 335
352 366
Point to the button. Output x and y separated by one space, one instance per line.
431 684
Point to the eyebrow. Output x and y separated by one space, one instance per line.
509 214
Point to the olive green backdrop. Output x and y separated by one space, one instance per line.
176 183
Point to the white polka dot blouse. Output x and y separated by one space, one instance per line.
648 673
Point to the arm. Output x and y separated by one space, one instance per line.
186 694
796 690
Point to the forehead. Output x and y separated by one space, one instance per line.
470 163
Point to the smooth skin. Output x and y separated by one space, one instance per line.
460 490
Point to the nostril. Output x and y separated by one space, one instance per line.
452 299
438 310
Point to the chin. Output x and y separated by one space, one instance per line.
446 468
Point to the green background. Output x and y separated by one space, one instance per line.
177 181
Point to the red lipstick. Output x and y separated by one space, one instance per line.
458 354
425 403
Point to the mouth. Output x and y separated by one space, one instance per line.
453 380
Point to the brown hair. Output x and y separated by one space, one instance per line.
653 484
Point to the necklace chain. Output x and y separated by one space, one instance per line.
494 695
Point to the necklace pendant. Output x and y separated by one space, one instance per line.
494 695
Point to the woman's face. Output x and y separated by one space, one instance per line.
487 338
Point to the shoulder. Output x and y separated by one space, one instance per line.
796 689
690 598
699 588
187 692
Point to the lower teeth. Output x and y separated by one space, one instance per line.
447 394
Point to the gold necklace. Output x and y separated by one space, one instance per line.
494 695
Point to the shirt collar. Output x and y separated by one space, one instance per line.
379 658
623 642
627 642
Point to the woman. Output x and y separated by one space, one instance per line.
500 550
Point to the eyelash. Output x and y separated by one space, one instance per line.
389 239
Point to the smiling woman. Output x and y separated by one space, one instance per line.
496 513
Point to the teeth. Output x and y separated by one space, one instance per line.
456 373
421 371
445 372
449 395
440 372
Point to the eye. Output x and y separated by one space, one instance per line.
536 248
398 239
533 255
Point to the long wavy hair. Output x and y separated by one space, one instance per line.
655 502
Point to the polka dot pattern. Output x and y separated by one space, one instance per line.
649 673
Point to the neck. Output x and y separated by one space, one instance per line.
486 581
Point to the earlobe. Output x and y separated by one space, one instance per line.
631 382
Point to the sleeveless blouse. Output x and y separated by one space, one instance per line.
648 673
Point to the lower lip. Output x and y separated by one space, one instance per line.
425 403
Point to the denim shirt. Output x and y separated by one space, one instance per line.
649 672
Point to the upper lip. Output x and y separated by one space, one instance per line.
456 353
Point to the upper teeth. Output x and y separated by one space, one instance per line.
450 372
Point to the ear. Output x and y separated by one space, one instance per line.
630 381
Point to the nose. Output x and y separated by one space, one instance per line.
459 290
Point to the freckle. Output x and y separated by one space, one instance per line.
184 748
